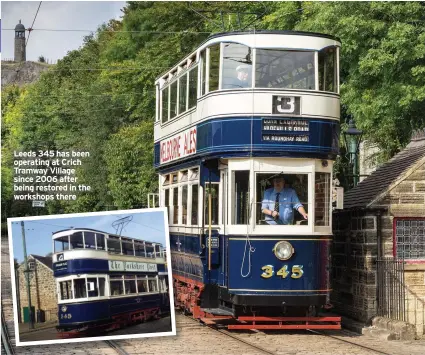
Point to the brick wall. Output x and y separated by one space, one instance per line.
43 290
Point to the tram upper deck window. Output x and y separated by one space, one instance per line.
237 66
284 69
89 240
76 240
127 246
139 248
164 104
100 241
182 93
61 244
114 245
193 85
328 70
150 251
173 99
281 199
204 72
214 72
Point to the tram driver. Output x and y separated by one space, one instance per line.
279 202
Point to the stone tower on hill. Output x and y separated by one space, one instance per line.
20 55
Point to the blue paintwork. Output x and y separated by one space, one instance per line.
87 266
191 261
103 310
231 137
311 254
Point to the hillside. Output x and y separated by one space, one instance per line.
21 73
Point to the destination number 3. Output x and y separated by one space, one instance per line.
296 272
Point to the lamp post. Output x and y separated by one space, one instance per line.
353 137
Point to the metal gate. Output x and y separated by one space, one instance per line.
391 289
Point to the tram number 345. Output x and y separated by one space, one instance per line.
296 271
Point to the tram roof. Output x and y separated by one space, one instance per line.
256 32
63 232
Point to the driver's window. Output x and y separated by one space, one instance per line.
282 199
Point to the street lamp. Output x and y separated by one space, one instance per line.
353 137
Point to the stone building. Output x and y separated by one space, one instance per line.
20 50
379 247
42 285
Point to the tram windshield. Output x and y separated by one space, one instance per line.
282 199
285 69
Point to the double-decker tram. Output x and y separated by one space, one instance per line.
246 133
107 281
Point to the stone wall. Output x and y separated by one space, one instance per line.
355 251
43 290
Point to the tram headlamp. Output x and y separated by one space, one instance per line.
283 250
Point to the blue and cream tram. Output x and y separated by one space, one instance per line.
240 111
106 281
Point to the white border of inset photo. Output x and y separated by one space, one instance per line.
92 214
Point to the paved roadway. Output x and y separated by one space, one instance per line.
155 326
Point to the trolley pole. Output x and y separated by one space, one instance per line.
27 276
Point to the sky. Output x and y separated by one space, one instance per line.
149 226
75 15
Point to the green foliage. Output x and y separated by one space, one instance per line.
101 97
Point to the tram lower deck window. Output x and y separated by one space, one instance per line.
65 288
80 288
117 287
130 286
285 194
213 190
142 285
153 286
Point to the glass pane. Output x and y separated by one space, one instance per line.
282 199
130 286
322 190
327 70
139 249
284 69
76 240
213 189
92 287
116 288
142 286
176 205
194 205
184 204
214 67
61 244
203 73
65 290
183 176
164 111
241 203
194 174
182 93
237 66
100 238
167 201
193 84
173 99
80 288
89 240
102 286
114 245
150 250
127 246
153 287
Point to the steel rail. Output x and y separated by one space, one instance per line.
348 342
114 345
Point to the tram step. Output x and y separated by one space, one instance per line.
218 311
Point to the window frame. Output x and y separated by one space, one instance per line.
395 244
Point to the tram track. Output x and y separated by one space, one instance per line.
114 345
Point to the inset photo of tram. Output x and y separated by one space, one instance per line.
91 276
